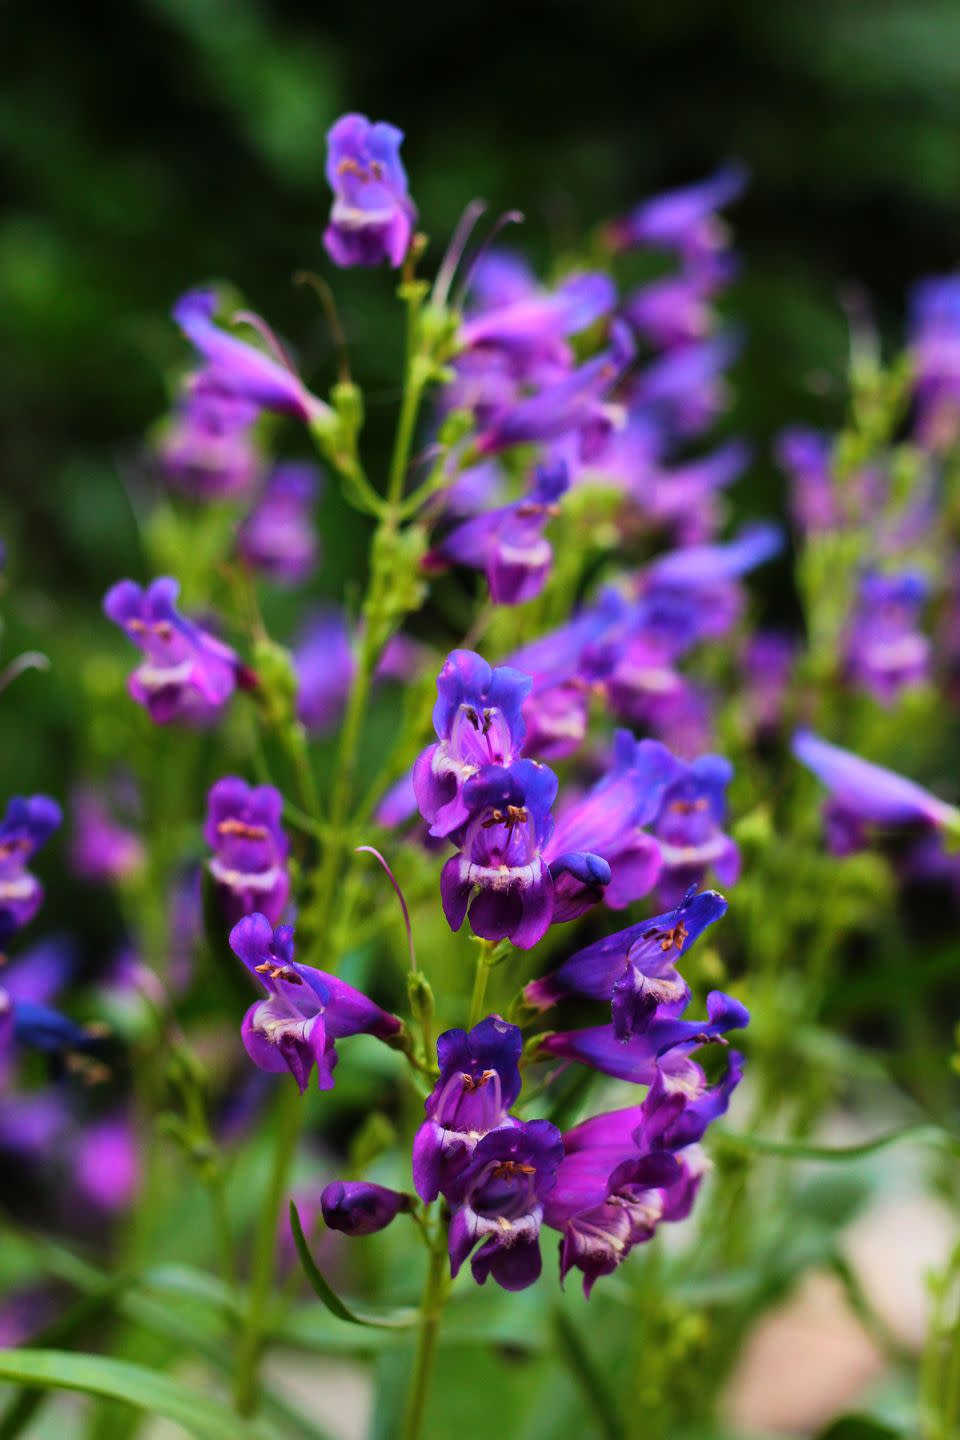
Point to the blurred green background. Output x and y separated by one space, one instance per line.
151 145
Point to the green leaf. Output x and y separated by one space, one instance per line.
797 1150
132 1384
593 1385
399 1320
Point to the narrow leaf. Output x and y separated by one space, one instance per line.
399 1320
134 1385
798 1150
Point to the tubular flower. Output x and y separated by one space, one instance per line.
689 828
278 537
27 825
677 309
537 320
864 795
358 1207
663 1043
683 220
242 370
250 848
479 1081
305 1010
373 216
508 543
516 893
478 722
625 1172
498 1201
573 402
207 450
187 674
101 849
636 968
886 650
607 820
325 664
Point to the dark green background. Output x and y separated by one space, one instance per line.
150 145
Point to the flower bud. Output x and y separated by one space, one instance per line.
360 1207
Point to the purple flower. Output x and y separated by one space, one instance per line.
508 543
500 861
105 1164
278 536
864 794
766 670
935 352
886 651
689 828
479 1081
208 450
621 1175
676 309
573 402
663 1043
305 1010
607 820
373 216
478 723
498 1200
806 455
250 848
537 320
684 390
324 662
635 969
358 1207
27 825
242 370
683 220
500 277
186 673
563 666
683 498
501 871
101 850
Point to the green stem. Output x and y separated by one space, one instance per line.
480 978
374 639
224 1230
430 1307
288 1124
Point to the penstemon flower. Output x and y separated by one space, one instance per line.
478 1083
277 538
27 825
634 969
305 1010
207 449
373 216
478 721
508 543
689 828
250 849
187 674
